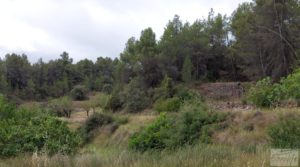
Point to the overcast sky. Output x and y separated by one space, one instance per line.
90 28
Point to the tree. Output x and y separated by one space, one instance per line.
266 35
186 73
17 71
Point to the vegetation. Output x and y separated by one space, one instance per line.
24 131
94 122
285 133
168 105
79 92
192 125
268 94
259 42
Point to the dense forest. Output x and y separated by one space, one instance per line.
260 39
249 61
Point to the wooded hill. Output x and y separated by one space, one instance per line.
260 38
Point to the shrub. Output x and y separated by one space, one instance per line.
24 131
165 90
285 133
115 101
167 105
266 94
107 88
93 123
62 106
291 85
192 125
152 137
79 92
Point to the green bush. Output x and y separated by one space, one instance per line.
165 90
24 131
152 137
167 105
93 123
286 133
193 124
266 94
115 101
107 88
79 92
291 86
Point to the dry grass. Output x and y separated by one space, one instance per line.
209 156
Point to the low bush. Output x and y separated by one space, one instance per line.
291 86
107 88
97 120
24 131
115 101
193 124
285 133
79 92
266 94
167 105
152 137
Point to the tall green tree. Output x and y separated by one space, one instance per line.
186 73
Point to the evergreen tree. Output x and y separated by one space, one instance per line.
186 73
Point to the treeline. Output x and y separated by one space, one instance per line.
260 39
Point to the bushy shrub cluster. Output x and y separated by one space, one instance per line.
97 120
193 124
167 105
132 97
79 92
267 94
24 131
286 133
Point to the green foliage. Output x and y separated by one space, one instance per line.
291 86
136 97
97 120
167 105
152 137
285 133
24 131
115 101
79 92
107 88
186 74
62 106
193 124
266 94
165 90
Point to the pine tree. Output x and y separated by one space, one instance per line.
186 73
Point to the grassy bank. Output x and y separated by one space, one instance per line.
191 156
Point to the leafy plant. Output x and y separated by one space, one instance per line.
24 131
97 120
79 92
193 124
266 94
167 105
285 133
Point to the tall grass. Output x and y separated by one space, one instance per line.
191 156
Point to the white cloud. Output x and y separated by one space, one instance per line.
90 28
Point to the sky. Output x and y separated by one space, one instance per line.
91 28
